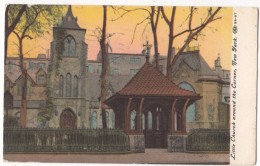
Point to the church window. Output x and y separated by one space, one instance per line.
133 120
69 46
90 69
107 119
115 60
150 121
41 79
210 112
191 110
135 60
76 82
31 65
61 86
41 65
94 120
113 119
68 85
109 93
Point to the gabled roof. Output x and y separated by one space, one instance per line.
69 21
195 61
151 82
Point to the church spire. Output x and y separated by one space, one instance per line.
69 21
69 12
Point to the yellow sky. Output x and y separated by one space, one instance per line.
215 40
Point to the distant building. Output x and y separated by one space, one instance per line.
191 72
73 82
36 86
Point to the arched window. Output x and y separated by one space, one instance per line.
76 82
113 119
61 86
150 121
133 120
68 85
94 118
69 46
107 119
191 110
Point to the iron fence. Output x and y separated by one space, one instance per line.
64 140
208 140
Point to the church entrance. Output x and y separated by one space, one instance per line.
68 119
155 126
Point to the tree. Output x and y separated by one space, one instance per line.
192 32
13 14
102 43
34 22
152 19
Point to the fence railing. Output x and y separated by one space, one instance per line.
64 140
208 140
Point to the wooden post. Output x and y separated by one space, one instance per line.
127 117
184 116
139 116
172 118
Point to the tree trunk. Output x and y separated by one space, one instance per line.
24 87
169 54
104 67
154 30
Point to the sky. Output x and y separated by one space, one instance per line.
215 40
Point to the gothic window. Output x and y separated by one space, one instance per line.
150 121
61 86
113 119
68 85
133 120
191 110
76 82
69 46
109 93
94 120
107 119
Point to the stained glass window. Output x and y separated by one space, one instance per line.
68 85
61 86
94 120
69 46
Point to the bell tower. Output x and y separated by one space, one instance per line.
67 70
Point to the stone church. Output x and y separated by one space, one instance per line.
72 83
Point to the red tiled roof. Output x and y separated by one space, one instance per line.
151 82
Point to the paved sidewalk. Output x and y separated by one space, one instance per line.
150 156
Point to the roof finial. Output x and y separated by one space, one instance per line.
148 50
69 12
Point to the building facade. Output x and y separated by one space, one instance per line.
70 84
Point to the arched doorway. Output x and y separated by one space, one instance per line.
155 126
68 119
